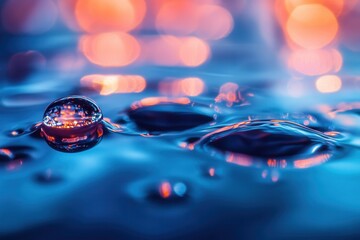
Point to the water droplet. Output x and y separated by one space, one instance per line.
270 143
48 177
159 115
72 124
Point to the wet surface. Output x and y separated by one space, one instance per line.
235 138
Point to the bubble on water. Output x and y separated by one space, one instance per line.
269 143
48 177
72 124
159 115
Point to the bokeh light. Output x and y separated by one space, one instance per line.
181 17
191 86
312 26
194 51
336 6
111 84
109 15
315 62
112 49
328 84
168 50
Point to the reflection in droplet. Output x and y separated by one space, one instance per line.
72 124
157 115
271 143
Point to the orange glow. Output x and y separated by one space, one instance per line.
6 152
181 17
191 86
312 26
328 84
109 15
151 101
332 133
177 17
194 51
162 50
309 162
229 93
110 84
112 49
165 190
239 159
277 163
212 172
218 18
336 6
315 62
169 50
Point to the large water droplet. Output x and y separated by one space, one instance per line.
271 143
159 115
72 124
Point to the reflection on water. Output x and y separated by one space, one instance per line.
270 143
217 118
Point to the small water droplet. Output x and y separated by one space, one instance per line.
270 143
160 115
72 124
